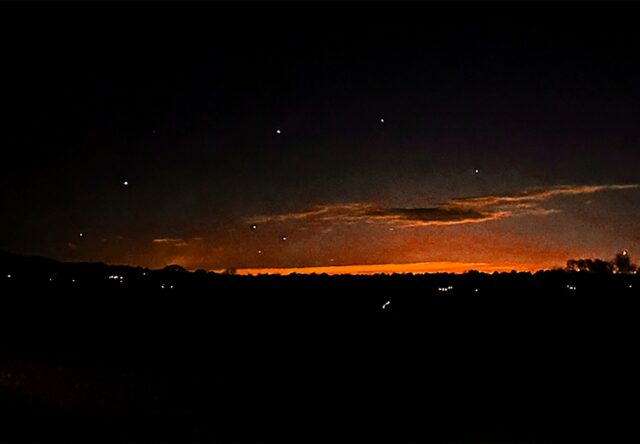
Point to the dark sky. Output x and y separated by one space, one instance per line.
184 102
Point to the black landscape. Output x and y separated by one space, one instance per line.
104 353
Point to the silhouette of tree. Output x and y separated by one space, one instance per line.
622 263
589 265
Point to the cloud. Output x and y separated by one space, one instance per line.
171 242
455 211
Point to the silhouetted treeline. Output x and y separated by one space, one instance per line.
621 263
167 355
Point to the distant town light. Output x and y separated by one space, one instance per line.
385 305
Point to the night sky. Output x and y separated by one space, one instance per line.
281 135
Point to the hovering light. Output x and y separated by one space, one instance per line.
162 286
284 238
477 171
8 276
630 286
254 227
381 120
476 290
385 305
73 281
171 286
259 251
81 235
144 273
125 183
278 131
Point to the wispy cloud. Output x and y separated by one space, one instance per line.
171 242
455 211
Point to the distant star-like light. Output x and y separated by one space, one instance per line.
278 131
477 171
125 183
284 238
254 227
381 120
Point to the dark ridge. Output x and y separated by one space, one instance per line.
166 356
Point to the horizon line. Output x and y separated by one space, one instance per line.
414 267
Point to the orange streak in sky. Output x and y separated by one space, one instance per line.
419 267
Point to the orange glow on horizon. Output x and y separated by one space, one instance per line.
419 267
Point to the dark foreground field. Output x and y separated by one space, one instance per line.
316 358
